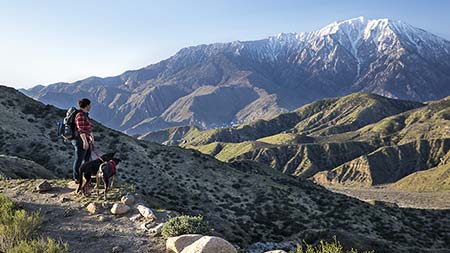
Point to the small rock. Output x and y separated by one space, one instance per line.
146 212
117 249
276 251
64 199
53 195
44 186
208 244
178 243
120 208
128 200
135 217
157 229
93 208
102 218
146 225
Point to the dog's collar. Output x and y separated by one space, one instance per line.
113 166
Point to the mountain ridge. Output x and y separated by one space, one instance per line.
265 77
360 140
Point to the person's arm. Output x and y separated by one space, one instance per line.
85 141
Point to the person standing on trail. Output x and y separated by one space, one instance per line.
83 137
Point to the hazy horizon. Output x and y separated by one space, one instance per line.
50 42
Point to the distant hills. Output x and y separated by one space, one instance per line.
223 84
358 140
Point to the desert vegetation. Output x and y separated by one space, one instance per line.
19 231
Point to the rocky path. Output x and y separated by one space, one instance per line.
65 217
421 200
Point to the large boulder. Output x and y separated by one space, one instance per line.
178 243
119 208
210 244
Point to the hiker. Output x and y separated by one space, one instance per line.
83 137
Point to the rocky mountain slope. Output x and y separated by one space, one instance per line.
227 83
357 140
22 169
434 179
245 202
412 141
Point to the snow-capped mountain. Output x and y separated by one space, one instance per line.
224 83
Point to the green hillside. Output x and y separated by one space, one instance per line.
358 140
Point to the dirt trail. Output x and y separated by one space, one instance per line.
65 217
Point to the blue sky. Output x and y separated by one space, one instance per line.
43 42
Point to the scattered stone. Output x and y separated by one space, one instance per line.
146 225
276 251
64 199
208 244
146 212
120 208
178 243
135 217
53 195
128 200
44 186
157 229
117 249
93 208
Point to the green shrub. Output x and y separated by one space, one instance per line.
185 225
326 247
39 246
15 225
18 231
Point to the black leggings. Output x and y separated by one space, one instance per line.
80 156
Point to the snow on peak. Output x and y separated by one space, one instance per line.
352 34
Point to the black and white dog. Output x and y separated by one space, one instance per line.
88 169
106 174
